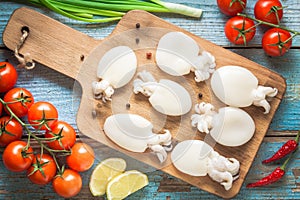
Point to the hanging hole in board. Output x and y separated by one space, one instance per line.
25 60
24 29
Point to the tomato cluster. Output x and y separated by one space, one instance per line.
240 29
59 137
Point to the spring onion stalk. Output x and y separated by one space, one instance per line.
110 10
91 11
180 9
78 16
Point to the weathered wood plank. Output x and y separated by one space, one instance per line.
210 26
162 186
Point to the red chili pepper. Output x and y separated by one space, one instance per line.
271 178
276 175
286 149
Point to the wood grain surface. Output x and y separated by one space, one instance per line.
162 186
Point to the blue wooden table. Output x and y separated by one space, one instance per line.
49 85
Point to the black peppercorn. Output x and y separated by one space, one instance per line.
137 40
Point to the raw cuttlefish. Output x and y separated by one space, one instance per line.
238 87
196 158
165 96
178 54
115 69
229 126
134 133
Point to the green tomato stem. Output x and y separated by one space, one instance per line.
34 136
270 24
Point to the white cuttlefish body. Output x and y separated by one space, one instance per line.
238 87
134 133
115 69
178 54
196 158
229 126
166 96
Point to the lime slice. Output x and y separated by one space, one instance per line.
125 184
103 173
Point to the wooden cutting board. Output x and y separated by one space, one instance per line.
77 55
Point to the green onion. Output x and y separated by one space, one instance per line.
111 10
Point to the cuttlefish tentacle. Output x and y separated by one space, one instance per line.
223 170
203 119
102 90
145 84
233 166
260 95
161 143
224 178
164 139
204 67
146 88
160 152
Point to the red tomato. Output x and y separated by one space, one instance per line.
231 7
240 30
10 130
274 42
1 108
68 184
16 158
82 157
268 10
8 76
42 169
65 133
42 115
23 100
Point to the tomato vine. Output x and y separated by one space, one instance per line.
59 137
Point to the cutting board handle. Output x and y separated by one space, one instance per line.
50 42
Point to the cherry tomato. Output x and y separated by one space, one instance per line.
81 158
10 130
65 133
8 76
268 10
275 42
42 115
231 7
23 100
1 108
239 30
42 169
68 184
16 158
